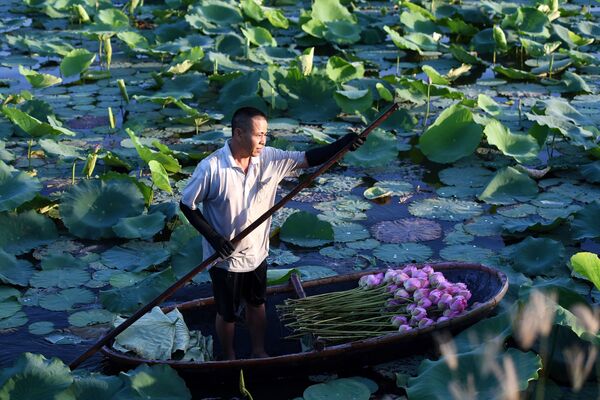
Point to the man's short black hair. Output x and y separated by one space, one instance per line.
241 118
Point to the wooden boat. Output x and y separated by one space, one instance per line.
488 286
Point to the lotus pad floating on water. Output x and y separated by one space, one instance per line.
537 256
92 208
23 232
378 150
14 271
306 230
16 187
402 253
406 230
445 209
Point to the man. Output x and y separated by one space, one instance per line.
236 185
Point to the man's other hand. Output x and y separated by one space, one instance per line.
222 246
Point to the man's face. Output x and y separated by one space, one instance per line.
254 137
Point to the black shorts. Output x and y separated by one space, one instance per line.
230 288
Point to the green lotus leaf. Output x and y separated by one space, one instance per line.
90 209
445 209
349 232
135 41
585 222
494 329
120 280
416 22
277 18
66 299
39 80
459 27
41 328
458 236
537 256
378 150
62 261
367 244
280 276
575 83
342 32
571 39
310 272
516 74
588 265
96 386
499 39
466 253
340 70
113 17
187 258
259 36
90 317
344 388
8 292
131 298
509 186
25 231
591 172
8 308
376 192
402 253
135 256
14 321
400 41
434 76
142 226
485 225
281 257
167 161
487 104
406 230
528 20
464 56
452 136
16 187
465 176
306 230
34 377
570 122
311 98
533 48
337 252
330 10
522 147
62 150
353 101
62 278
32 125
76 61
252 9
149 382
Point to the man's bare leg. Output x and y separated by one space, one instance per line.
225 331
256 319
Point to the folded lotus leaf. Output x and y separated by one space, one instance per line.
91 209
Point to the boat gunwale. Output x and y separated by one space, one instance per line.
329 351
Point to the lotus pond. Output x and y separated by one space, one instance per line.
493 157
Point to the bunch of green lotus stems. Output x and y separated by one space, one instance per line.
340 316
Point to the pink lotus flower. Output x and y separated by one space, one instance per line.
449 313
443 286
418 313
398 320
389 276
425 322
442 319
420 293
411 307
392 288
412 284
436 278
445 301
419 274
435 295
409 269
428 270
404 328
400 278
402 294
425 303
458 304
464 293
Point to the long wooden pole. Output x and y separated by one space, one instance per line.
209 261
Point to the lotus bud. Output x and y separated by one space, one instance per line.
442 319
362 282
425 322
392 288
412 284
443 286
445 301
404 328
465 293
436 278
379 278
449 313
452 290
409 269
435 295
418 312
400 278
425 302
411 307
420 293
398 320
419 274
458 304
428 270
389 276
392 303
461 285
402 295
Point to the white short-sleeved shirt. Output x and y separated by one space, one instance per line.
232 200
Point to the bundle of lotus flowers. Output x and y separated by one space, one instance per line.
398 301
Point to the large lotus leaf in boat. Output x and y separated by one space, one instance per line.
135 256
435 377
537 256
402 253
452 136
16 187
509 186
64 300
129 299
153 382
344 388
406 230
378 150
310 98
34 377
340 70
522 147
23 232
352 100
588 265
14 271
76 61
141 226
90 209
306 230
585 222
445 209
